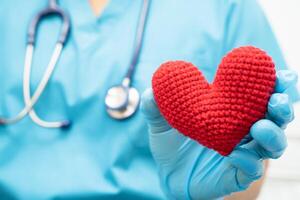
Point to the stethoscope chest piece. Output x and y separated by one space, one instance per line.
117 97
122 102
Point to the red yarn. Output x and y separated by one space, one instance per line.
220 114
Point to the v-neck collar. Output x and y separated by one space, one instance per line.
81 12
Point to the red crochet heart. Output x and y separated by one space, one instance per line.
220 114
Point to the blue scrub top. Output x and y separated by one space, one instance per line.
99 157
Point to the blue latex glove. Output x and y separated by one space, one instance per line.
189 170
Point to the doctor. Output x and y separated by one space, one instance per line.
99 157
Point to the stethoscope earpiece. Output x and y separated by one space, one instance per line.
66 125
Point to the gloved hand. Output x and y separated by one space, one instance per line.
189 170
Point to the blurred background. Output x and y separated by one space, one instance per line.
283 178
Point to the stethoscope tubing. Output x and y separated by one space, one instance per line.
41 87
138 41
120 110
30 101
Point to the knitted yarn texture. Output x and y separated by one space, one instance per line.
217 115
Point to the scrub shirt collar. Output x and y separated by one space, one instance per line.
82 14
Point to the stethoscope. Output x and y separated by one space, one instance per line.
121 101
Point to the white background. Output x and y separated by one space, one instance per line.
283 178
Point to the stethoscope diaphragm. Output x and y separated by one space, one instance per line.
127 109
